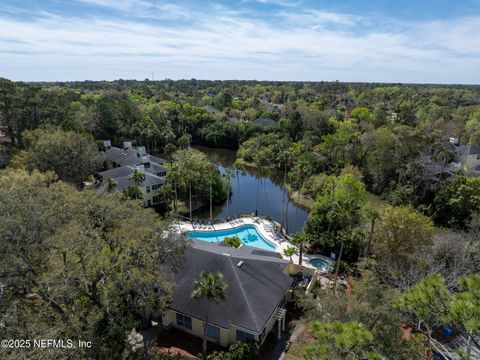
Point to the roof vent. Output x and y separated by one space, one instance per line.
240 263
453 141
141 151
140 167
145 160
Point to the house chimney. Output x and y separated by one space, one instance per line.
141 151
145 160
140 167
127 145
453 141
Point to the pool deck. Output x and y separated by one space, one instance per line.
264 228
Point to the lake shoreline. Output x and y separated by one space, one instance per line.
254 190
303 201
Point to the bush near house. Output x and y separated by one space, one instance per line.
237 351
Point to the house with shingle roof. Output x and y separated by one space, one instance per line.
265 122
124 161
469 155
466 156
211 109
258 284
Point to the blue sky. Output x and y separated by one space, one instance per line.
434 41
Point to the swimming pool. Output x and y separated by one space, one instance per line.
248 235
320 264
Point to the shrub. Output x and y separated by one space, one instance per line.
237 351
233 241
343 267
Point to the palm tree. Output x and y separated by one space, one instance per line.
263 161
169 150
137 176
373 216
111 184
211 170
345 214
302 169
132 192
290 251
211 287
173 174
238 167
443 155
186 171
258 192
286 213
189 179
166 191
238 189
285 158
228 174
300 239
191 169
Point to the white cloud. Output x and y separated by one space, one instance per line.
460 36
285 3
227 44
317 18
144 8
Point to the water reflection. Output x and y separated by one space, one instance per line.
251 190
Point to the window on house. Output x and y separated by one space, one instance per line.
148 189
155 187
184 321
245 336
162 173
149 203
157 199
213 332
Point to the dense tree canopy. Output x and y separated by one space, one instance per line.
196 179
431 306
456 202
372 306
338 211
340 340
70 155
391 133
400 231
79 265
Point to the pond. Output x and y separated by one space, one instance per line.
253 190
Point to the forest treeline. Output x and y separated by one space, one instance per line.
390 136
392 133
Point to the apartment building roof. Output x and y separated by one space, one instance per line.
256 284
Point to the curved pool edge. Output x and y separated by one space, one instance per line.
260 224
255 226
